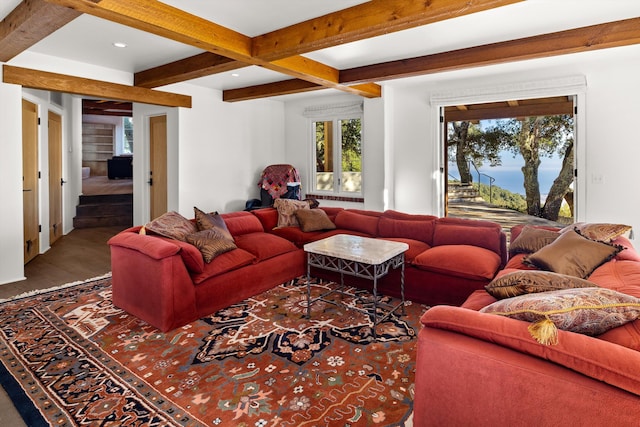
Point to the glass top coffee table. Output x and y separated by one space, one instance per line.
360 257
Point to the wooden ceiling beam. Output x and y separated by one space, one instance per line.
601 36
201 65
35 79
30 22
370 19
291 86
166 21
284 87
532 110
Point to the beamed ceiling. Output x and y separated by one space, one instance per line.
205 48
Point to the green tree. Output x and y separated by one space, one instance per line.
351 145
472 144
534 138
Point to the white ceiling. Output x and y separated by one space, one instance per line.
88 39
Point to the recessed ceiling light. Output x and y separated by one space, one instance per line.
235 75
119 44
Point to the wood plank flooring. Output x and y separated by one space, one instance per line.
82 254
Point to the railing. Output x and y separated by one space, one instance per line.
491 179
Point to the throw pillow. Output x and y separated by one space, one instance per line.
206 221
211 243
286 211
573 254
598 231
314 220
530 282
589 311
531 239
172 225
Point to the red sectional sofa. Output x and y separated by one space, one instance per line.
166 283
447 259
483 369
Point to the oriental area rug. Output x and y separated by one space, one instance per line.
69 357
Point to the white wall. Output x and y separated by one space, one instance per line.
11 226
224 147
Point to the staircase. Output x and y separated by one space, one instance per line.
459 192
104 210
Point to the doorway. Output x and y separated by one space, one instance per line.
516 154
30 180
158 165
55 176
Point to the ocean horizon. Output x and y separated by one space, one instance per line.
509 178
509 174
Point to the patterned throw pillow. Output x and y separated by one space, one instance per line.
532 239
589 311
287 211
572 254
314 220
530 282
172 225
206 221
598 231
211 243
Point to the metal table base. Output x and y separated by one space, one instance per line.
357 269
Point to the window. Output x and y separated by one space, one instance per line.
127 141
338 155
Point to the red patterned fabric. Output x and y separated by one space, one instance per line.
274 179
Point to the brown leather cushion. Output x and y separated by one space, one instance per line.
573 254
205 221
172 225
531 239
529 282
287 211
314 220
603 232
211 243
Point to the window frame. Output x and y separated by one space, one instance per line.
337 155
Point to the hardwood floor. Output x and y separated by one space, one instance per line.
82 254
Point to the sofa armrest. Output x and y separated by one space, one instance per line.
155 248
463 380
150 280
593 357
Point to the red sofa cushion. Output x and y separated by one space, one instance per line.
457 231
358 221
628 253
268 217
390 213
465 261
264 245
411 229
416 247
242 223
225 262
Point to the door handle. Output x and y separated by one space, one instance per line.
62 181
150 182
